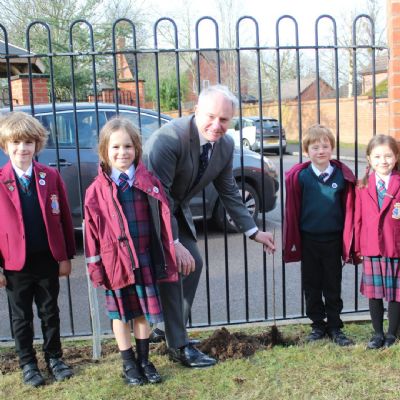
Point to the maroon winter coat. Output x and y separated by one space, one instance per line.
110 252
377 231
291 226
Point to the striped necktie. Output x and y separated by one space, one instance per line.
322 176
381 187
25 181
123 182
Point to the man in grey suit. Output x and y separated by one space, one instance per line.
187 154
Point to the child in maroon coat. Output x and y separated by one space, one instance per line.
377 234
36 243
318 230
129 245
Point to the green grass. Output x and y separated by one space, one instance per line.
318 371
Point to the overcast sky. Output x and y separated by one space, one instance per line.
267 12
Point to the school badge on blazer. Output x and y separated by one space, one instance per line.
55 205
396 211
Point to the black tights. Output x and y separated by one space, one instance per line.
376 310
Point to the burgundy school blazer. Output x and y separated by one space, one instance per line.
55 210
291 226
377 231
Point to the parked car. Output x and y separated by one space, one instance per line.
251 133
87 133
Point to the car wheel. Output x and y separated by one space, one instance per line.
246 144
252 203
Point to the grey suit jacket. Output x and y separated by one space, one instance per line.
172 153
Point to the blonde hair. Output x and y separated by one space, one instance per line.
113 125
316 133
379 140
18 126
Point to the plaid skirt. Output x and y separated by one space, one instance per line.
380 278
133 301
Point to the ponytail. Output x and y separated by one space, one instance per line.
363 182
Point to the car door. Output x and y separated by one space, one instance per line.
64 124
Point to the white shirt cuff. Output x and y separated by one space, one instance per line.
251 231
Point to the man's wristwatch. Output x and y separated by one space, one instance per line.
253 235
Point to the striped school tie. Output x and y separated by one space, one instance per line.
25 181
123 181
322 176
381 188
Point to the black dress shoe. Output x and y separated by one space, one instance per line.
32 375
338 337
59 369
131 374
148 370
189 356
316 334
157 335
377 341
389 340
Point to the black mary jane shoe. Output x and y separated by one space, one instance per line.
131 374
59 369
31 375
389 340
377 341
149 372
191 357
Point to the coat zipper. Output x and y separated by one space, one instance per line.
122 237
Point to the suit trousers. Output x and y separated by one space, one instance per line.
177 297
322 276
37 282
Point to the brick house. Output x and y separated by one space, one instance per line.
381 73
308 89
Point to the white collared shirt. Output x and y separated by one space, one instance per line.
19 171
385 179
328 170
203 141
115 173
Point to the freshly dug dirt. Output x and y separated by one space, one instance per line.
221 345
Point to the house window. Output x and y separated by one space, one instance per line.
205 83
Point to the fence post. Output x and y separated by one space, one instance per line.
393 32
94 309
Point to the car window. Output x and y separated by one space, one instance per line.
87 128
268 123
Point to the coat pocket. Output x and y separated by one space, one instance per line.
108 254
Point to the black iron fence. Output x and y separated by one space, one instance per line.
240 283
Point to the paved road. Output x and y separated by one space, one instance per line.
241 267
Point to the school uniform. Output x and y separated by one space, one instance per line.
318 231
129 244
35 234
377 233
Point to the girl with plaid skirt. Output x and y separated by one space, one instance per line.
128 244
377 237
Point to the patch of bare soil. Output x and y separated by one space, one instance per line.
224 345
221 345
